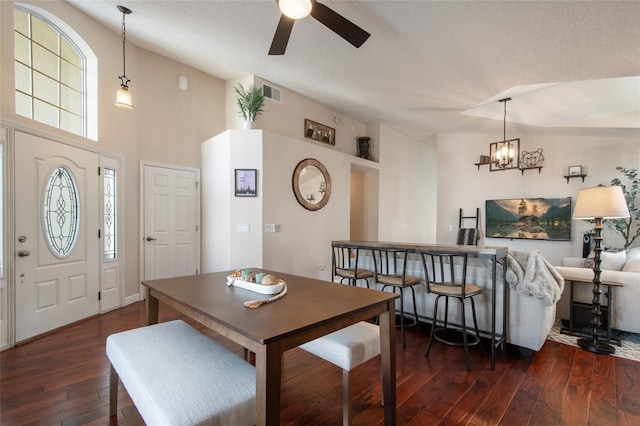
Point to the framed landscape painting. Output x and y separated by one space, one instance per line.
529 218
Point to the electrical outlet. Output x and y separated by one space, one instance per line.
243 227
321 268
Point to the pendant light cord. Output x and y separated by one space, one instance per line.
124 81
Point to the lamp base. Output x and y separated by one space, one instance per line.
596 347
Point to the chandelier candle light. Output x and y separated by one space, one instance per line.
602 202
505 155
123 97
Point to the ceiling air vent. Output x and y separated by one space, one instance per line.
272 93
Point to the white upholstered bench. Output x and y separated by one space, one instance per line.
178 376
347 348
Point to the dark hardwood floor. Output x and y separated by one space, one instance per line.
62 379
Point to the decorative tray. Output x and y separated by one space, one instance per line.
258 288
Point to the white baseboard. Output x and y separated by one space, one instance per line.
132 299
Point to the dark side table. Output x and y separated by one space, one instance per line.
606 310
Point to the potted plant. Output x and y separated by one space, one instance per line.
250 102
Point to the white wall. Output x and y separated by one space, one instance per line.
407 199
462 185
287 117
303 244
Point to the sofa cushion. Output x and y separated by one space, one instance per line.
631 266
633 254
613 261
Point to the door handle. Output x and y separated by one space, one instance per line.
23 253
151 239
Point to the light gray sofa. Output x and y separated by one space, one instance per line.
529 320
622 267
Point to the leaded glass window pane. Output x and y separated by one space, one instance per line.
69 53
110 246
21 22
23 49
23 78
45 113
50 74
61 211
46 89
23 105
70 122
43 34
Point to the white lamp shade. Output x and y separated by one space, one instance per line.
295 9
606 202
123 99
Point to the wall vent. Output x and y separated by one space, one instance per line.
272 93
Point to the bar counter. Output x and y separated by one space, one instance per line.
495 254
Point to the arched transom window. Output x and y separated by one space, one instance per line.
51 74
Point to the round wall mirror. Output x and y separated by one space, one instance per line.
311 184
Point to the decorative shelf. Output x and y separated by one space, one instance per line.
481 164
522 169
575 176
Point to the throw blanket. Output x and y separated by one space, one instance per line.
530 274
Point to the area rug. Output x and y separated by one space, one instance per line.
630 342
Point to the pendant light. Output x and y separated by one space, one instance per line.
505 155
123 96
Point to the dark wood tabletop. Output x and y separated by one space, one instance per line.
310 309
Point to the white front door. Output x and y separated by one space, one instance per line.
171 222
56 231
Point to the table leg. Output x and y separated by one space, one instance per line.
571 307
388 363
493 310
268 384
151 308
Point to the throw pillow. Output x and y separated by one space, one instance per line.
632 266
613 261
633 254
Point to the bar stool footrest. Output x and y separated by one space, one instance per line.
439 333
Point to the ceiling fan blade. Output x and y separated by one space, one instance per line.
281 37
339 24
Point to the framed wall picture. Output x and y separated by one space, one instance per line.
575 170
319 132
246 183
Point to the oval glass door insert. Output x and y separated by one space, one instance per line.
61 211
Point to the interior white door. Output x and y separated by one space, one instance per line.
170 222
56 229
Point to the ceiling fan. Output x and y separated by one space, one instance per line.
297 9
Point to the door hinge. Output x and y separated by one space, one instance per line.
197 271
99 295
98 170
197 184
99 233
197 228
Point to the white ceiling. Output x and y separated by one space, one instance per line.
426 65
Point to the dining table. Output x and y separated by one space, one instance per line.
310 309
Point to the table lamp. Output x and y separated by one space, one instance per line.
602 202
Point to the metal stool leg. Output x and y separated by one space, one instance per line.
433 326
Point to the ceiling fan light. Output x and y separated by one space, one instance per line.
295 9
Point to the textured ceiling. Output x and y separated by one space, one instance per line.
426 62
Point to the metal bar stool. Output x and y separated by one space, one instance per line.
345 265
390 266
446 275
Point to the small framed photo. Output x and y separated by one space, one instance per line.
575 170
246 183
